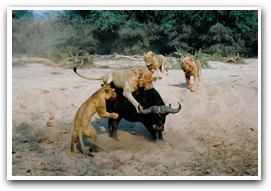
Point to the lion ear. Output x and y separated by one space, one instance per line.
106 91
152 54
140 75
191 59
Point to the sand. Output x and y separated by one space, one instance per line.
215 133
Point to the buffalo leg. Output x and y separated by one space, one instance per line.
160 136
113 127
151 130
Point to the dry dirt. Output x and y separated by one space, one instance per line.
215 133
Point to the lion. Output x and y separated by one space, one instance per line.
128 80
191 67
155 62
82 127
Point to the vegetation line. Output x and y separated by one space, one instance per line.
56 34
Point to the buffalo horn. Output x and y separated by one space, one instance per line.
160 109
168 109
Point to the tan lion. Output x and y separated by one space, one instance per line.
155 62
128 80
82 127
191 67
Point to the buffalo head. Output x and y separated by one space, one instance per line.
159 110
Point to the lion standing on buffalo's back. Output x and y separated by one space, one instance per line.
129 80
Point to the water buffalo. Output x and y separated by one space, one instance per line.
153 116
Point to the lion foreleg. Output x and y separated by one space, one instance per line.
109 115
130 98
104 114
155 75
187 77
195 84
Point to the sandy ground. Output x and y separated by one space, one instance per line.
215 133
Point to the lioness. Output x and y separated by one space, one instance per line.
191 67
155 62
82 126
128 80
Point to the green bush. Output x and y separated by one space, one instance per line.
199 55
215 32
203 58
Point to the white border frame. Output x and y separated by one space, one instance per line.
9 100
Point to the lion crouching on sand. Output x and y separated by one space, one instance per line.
154 63
82 127
191 67
128 80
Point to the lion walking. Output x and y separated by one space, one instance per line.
191 67
155 63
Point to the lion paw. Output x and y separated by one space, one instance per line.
140 108
115 115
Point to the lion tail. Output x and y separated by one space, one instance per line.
166 65
84 150
75 71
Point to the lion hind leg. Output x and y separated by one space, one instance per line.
97 147
91 133
108 78
74 139
162 69
166 67
199 77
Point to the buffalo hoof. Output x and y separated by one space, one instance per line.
116 138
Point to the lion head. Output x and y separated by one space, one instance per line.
187 63
109 92
148 57
145 79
